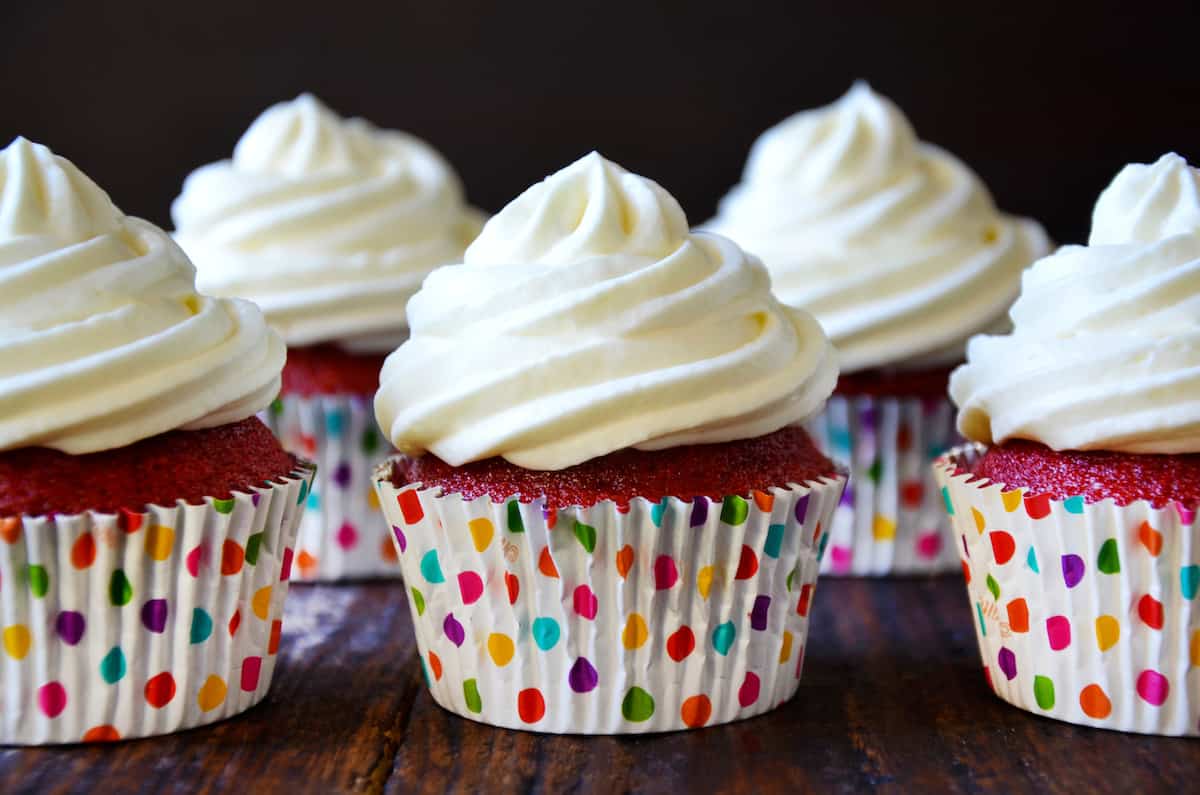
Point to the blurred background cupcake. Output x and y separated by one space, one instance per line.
607 513
1077 506
329 225
896 247
147 518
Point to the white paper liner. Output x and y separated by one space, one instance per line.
1084 612
135 624
596 640
342 535
890 520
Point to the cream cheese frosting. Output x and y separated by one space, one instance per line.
1105 348
328 224
894 244
104 340
586 319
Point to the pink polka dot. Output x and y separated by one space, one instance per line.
840 558
52 699
1058 630
470 585
251 668
929 545
1153 687
347 536
748 692
586 603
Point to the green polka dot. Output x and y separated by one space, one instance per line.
1043 692
253 545
1109 559
39 579
370 441
638 705
734 510
586 534
112 667
119 589
418 602
224 506
875 473
993 586
791 576
471 694
202 626
515 523
276 407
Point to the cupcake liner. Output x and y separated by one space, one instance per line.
890 520
670 615
135 624
342 535
1084 612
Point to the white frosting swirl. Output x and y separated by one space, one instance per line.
1105 348
103 338
893 244
327 224
586 319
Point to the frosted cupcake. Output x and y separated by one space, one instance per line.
329 225
147 519
607 514
896 247
1076 507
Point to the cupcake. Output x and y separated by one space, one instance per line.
329 225
147 519
896 247
1076 503
606 513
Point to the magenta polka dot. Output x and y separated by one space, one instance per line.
748 692
586 603
840 558
52 699
470 585
929 544
1152 687
347 536
1058 631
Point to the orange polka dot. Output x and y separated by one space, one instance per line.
101 734
1094 702
696 711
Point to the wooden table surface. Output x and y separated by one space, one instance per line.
892 698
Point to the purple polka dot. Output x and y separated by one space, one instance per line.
847 497
802 508
1072 569
454 630
254 498
341 475
758 614
866 416
400 539
583 677
1008 663
154 615
70 626
699 511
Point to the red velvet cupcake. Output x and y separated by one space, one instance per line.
329 225
143 508
605 445
1076 504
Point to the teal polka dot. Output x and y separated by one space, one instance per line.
774 541
112 667
545 633
335 422
839 437
314 501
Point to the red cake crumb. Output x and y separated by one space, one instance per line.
1096 475
895 383
187 465
329 370
709 470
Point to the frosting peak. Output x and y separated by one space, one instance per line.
895 245
103 339
585 319
328 224
1105 348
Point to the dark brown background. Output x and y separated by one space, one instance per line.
1045 102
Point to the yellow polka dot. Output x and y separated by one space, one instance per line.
979 521
501 648
636 632
704 581
785 653
1012 499
884 529
1108 632
16 641
212 693
262 602
159 542
1195 650
482 532
373 498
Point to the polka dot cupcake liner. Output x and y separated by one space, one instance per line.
1087 613
342 535
125 625
890 520
672 615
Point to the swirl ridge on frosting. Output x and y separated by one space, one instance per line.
895 245
104 340
1105 348
328 224
586 319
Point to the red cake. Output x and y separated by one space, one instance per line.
895 383
710 470
187 465
329 370
1096 475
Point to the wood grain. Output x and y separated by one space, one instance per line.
892 699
